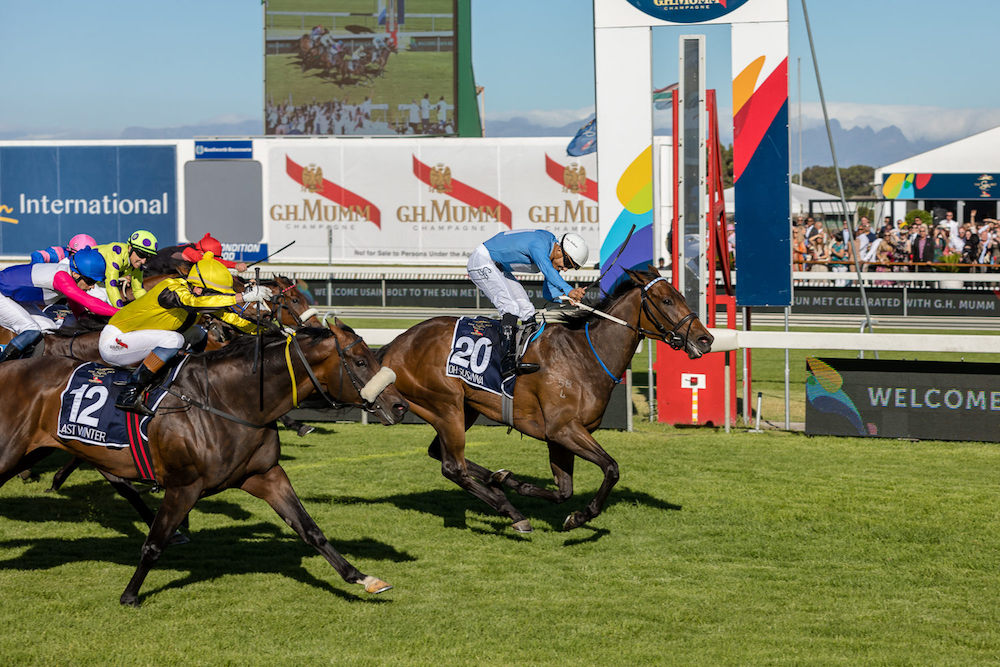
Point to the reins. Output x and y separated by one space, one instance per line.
291 340
672 337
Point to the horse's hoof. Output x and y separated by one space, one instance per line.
130 601
305 430
499 477
179 538
574 520
523 526
374 585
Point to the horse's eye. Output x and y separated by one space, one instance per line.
668 301
361 362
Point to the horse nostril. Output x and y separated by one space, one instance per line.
705 340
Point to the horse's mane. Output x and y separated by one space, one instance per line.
81 326
576 320
245 347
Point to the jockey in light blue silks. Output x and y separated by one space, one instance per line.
492 265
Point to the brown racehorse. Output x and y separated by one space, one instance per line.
561 404
288 306
208 437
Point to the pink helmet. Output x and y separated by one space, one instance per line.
81 241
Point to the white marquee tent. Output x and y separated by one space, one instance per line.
800 199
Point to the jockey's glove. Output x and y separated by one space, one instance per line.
255 293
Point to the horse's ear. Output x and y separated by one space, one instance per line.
653 271
635 276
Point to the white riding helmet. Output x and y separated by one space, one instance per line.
575 249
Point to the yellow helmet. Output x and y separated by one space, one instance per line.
211 274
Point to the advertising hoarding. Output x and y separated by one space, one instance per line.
50 193
903 399
400 201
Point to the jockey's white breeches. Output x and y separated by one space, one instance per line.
128 349
504 292
14 317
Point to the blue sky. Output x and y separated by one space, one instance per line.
74 70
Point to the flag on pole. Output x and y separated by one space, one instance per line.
585 140
661 96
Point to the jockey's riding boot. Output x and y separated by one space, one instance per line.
130 399
21 345
523 367
508 322
508 364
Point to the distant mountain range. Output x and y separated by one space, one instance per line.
238 129
858 145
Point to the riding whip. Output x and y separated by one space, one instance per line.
595 311
613 260
268 257
259 360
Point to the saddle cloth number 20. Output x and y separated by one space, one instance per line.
473 354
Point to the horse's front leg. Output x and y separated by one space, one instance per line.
274 488
575 439
177 502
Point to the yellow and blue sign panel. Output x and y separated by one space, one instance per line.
975 185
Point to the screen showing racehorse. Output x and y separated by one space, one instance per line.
361 67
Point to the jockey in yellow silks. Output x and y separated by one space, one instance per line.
124 266
148 330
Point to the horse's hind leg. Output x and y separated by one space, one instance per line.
274 487
13 462
131 494
177 502
469 475
63 474
561 462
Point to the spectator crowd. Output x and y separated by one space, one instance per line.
920 245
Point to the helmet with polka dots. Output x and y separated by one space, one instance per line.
143 243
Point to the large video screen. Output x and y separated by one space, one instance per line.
359 67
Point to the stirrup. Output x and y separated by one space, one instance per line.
524 368
132 401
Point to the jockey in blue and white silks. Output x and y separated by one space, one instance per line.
44 284
492 265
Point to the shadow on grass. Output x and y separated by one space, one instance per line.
453 507
260 548
97 502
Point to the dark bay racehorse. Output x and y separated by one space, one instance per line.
287 305
210 435
561 404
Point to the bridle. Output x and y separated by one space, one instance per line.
678 336
290 341
345 369
278 300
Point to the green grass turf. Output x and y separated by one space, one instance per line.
713 549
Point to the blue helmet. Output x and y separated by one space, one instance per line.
89 263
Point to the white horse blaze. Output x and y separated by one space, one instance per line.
379 382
